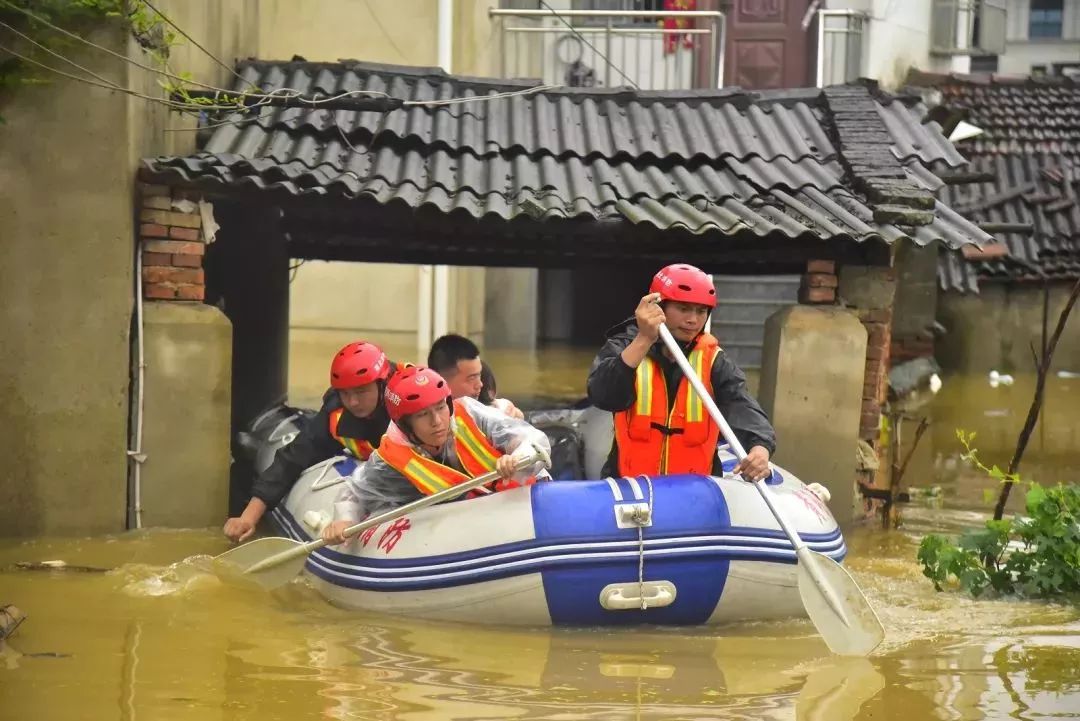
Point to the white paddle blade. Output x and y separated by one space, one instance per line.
245 563
839 610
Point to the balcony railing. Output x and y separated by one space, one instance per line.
655 50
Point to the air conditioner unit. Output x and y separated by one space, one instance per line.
967 27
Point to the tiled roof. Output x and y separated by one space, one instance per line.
722 160
1031 146
1018 114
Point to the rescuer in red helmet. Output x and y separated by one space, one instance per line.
352 420
661 427
434 442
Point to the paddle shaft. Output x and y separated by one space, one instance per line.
443 495
725 430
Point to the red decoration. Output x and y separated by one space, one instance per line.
673 40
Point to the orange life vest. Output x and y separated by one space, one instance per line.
358 447
474 450
653 440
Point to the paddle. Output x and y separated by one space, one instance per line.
833 601
273 562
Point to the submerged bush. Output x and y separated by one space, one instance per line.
1034 556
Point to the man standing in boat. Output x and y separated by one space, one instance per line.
432 443
352 418
661 427
457 360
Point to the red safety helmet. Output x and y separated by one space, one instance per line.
685 284
413 389
358 364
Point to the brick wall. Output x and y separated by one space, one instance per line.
172 245
878 324
819 283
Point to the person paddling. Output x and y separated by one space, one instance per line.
661 427
432 443
352 418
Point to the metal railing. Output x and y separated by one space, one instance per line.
609 48
840 46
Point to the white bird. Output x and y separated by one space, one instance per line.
997 379
935 383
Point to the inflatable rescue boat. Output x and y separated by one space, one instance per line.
669 550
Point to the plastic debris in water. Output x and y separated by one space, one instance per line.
1068 374
1003 379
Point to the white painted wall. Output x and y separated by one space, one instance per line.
896 39
1022 53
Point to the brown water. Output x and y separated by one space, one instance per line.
154 638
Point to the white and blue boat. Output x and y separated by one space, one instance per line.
667 550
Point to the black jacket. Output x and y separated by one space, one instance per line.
611 388
313 444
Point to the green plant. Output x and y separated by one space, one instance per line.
1034 556
32 25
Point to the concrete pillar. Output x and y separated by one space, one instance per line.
916 302
813 360
510 308
186 430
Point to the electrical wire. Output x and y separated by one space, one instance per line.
382 29
194 42
120 56
584 40
183 107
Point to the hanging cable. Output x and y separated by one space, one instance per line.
194 42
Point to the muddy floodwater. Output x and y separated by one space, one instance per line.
153 636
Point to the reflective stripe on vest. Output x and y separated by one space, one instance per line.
475 452
650 438
357 446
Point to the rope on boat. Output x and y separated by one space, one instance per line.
642 521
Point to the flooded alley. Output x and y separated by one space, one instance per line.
152 635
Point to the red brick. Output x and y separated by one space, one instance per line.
811 296
168 274
987 252
174 246
156 258
153 230
159 291
164 217
870 405
157 202
821 280
877 334
186 261
148 189
184 233
191 292
821 266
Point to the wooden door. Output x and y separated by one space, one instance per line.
767 46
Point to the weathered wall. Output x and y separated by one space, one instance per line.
995 329
66 286
185 478
374 300
815 407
